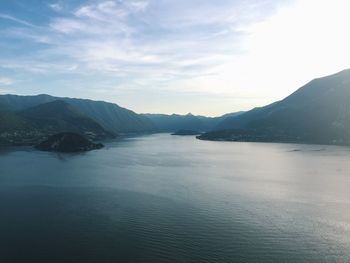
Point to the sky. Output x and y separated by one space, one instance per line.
171 56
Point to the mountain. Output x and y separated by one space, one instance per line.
33 124
318 112
175 122
59 116
110 116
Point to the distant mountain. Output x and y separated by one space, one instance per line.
319 112
33 124
186 133
175 122
110 116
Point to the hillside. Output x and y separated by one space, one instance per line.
318 112
59 116
33 124
110 116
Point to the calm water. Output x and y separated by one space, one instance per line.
161 198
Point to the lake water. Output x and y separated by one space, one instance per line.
162 198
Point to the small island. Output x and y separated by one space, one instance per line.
186 132
67 142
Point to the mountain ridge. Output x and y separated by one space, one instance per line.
110 116
31 125
318 112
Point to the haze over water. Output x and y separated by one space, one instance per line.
162 198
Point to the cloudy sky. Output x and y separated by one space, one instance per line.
201 56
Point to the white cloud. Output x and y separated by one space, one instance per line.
101 11
66 25
57 7
17 20
6 81
31 35
108 10
106 36
138 6
103 19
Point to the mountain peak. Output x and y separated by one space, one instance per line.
318 112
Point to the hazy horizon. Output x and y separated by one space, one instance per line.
157 56
176 113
